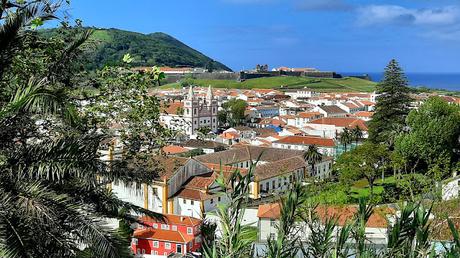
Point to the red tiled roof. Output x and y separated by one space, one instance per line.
172 219
173 149
163 235
367 102
350 105
348 122
171 107
307 140
364 114
269 211
309 114
230 135
344 214
193 194
271 121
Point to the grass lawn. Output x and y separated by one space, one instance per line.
346 84
101 35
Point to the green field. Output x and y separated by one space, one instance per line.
288 82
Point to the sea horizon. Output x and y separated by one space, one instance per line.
444 81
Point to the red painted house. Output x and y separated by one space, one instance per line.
176 234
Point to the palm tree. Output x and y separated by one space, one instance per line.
15 16
357 134
53 194
313 156
345 138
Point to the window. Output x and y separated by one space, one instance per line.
156 244
272 223
155 225
219 199
267 186
168 246
164 226
138 251
134 241
272 236
189 231
195 121
143 251
273 184
179 249
212 200
190 245
192 202
174 228
184 201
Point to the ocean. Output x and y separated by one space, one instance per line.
446 81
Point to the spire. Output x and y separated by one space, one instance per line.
190 93
209 96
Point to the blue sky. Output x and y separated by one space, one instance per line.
339 35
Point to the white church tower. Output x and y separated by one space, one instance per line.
200 112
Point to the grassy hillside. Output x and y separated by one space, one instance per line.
147 49
323 85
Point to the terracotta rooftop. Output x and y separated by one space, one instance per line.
172 219
364 114
269 211
348 122
343 214
162 235
309 114
193 194
307 140
173 149
280 167
171 107
246 153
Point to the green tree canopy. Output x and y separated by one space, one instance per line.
433 137
234 111
392 105
365 161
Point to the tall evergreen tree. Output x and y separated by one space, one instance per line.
392 104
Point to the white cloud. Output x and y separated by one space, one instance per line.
393 14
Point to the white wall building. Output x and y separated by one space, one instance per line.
200 112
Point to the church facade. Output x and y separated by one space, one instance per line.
200 112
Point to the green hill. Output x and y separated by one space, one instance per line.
147 50
288 82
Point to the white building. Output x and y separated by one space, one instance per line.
376 227
300 93
195 113
200 112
